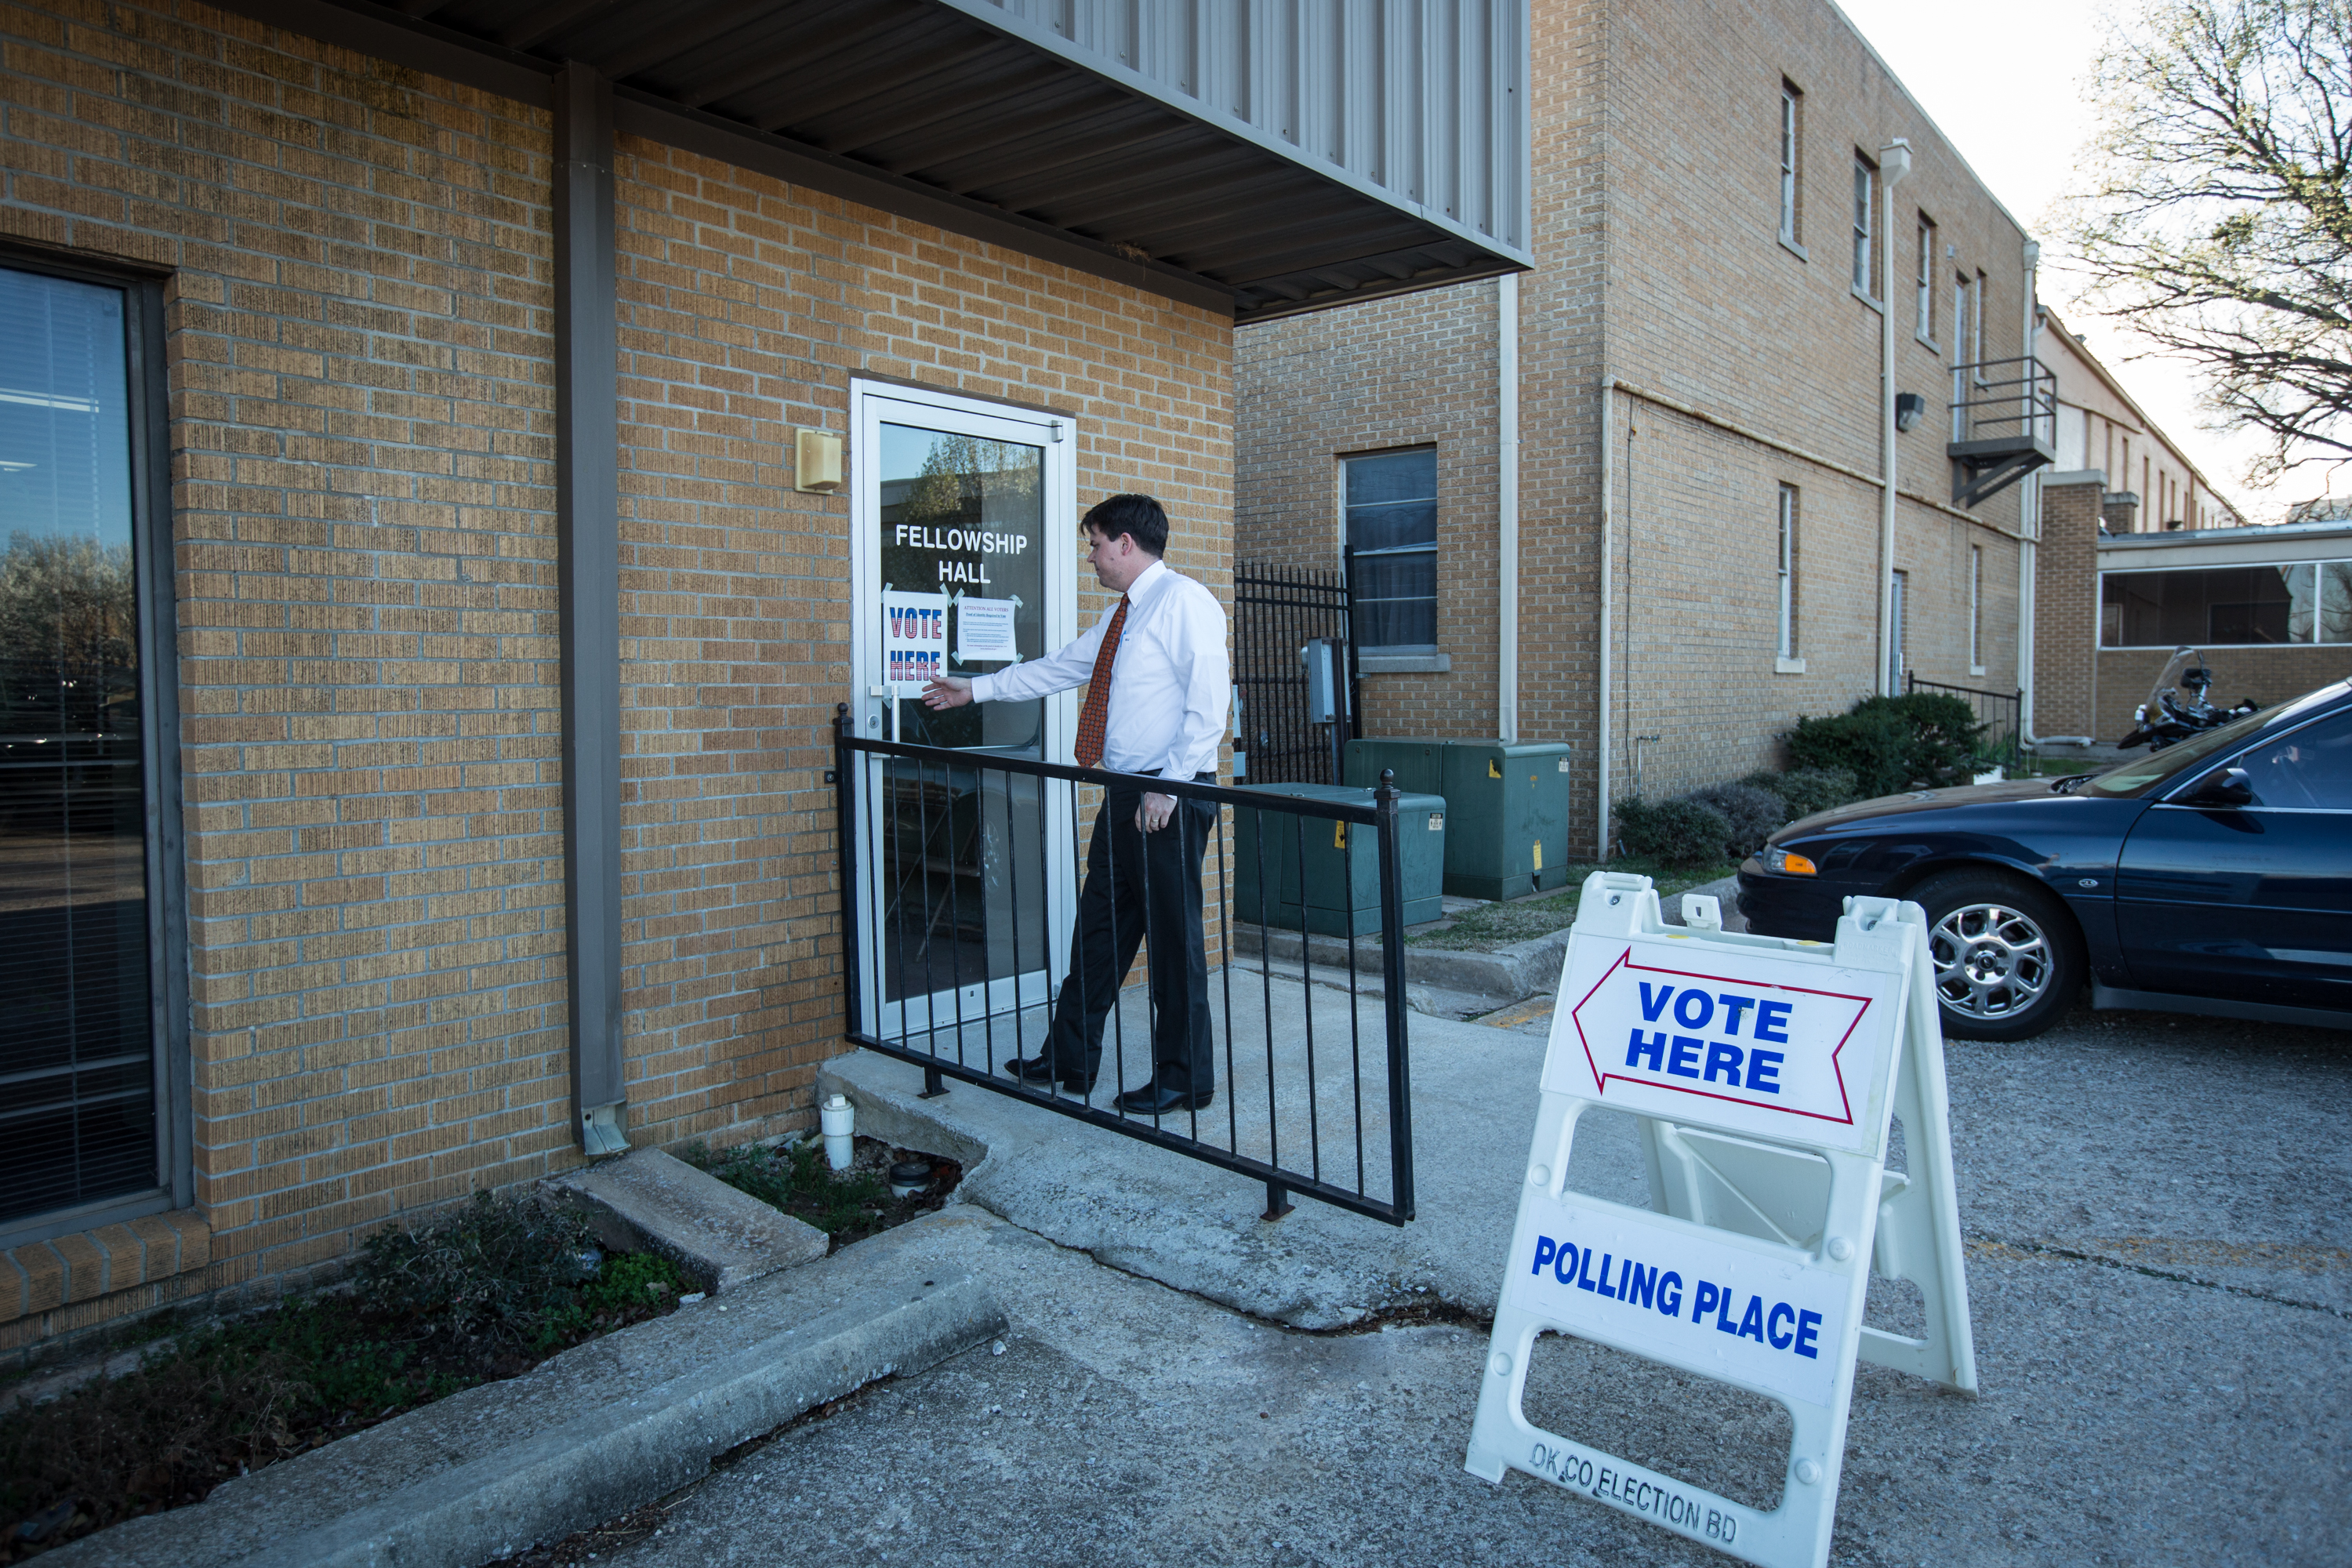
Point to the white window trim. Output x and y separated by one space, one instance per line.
1792 184
1976 327
1976 609
1785 579
1923 325
1865 231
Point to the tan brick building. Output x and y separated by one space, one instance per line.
412 405
1698 357
2099 426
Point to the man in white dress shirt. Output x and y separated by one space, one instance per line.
1159 690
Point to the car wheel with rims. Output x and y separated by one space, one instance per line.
2007 955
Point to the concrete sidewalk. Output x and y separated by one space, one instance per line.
1199 1229
2158 1269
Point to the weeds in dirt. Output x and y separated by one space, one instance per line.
481 1294
848 1206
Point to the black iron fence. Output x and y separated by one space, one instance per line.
960 872
1998 712
1278 611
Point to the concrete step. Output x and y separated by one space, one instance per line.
647 1201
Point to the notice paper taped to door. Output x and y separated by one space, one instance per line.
985 630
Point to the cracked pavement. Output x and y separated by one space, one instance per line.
2160 1271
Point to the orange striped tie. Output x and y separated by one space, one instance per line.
1095 717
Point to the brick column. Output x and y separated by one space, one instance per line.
2066 605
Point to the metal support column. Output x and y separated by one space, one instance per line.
588 575
1384 797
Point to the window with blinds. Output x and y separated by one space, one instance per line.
79 1120
1392 505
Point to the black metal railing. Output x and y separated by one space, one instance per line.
2004 424
2004 397
960 872
1999 711
1277 611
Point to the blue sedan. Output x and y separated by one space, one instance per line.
2212 876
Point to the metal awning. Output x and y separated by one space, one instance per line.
1022 123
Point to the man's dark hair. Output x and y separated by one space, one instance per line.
1140 517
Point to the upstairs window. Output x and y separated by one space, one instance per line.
1791 102
1976 323
1925 325
1391 532
1866 201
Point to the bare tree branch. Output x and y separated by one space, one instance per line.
2218 220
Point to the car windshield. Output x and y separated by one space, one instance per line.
2141 774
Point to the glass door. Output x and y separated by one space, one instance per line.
963 514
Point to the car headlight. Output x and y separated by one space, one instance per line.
1780 860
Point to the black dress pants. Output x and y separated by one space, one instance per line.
1141 885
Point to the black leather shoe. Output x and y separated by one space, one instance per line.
1036 1072
1153 1100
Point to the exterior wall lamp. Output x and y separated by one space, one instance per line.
1910 407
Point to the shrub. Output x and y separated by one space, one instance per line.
1677 832
1752 813
1893 743
1946 740
1805 791
1874 746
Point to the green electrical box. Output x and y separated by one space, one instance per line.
1324 876
1507 832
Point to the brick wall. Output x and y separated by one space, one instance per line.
362 426
2066 612
1413 372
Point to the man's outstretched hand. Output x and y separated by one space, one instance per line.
947 691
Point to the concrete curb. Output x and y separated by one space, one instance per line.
1506 974
477 1479
1449 982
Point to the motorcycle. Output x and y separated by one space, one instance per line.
2178 708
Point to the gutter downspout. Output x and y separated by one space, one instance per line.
1507 509
588 584
2029 521
1894 163
1608 581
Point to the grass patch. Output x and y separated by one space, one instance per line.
2040 767
486 1292
848 1206
1491 926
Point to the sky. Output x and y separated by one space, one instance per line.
2004 80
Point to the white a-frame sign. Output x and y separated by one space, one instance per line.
1765 1070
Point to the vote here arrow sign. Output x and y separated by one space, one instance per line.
1765 1043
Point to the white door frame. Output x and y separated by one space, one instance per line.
872 404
